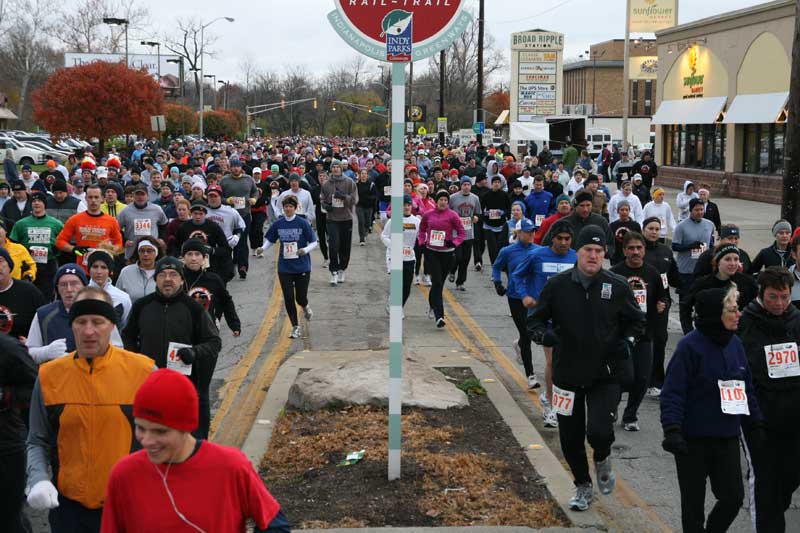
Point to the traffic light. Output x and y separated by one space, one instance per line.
369 109
315 103
333 108
283 104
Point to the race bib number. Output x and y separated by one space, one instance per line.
665 281
290 250
495 214
782 360
238 202
141 226
408 252
733 397
39 254
538 221
337 202
437 238
697 252
174 362
641 299
467 223
387 190
563 401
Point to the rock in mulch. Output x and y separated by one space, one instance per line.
366 382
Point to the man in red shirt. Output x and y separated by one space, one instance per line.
178 483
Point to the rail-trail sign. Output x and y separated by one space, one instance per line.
398 31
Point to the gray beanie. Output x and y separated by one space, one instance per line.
781 225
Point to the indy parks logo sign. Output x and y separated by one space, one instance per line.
399 30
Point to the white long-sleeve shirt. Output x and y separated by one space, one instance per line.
306 205
410 230
632 199
663 212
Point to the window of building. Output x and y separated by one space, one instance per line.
695 146
763 148
648 97
634 97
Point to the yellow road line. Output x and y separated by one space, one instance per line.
234 381
625 494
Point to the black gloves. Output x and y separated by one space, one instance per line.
695 245
499 289
537 336
674 442
80 250
340 195
186 355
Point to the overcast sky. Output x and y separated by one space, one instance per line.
274 34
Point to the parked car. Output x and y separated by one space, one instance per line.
25 154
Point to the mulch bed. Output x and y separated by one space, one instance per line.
460 467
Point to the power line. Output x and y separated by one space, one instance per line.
546 11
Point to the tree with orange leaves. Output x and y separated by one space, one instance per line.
100 100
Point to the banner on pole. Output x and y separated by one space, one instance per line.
649 16
643 68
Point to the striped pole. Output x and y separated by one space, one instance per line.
396 294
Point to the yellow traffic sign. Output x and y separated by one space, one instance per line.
422 130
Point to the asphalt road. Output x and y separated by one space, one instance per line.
352 317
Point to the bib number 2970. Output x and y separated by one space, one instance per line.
563 401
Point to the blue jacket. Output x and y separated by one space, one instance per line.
54 324
538 203
509 258
538 267
690 398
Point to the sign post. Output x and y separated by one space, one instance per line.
398 36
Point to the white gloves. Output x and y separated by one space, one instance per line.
260 250
233 240
56 349
43 495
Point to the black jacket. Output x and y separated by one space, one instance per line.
155 321
767 257
712 214
209 289
646 279
17 376
495 200
703 266
619 229
11 213
209 232
661 257
745 284
589 324
577 224
779 398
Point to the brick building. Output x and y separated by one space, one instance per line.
604 66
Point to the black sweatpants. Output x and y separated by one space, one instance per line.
660 336
592 419
439 265
716 459
240 253
201 377
340 239
777 476
640 368
478 244
364 215
12 493
495 241
44 278
295 289
463 253
322 232
72 517
257 229
408 279
520 315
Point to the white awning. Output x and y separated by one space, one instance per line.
502 119
529 131
690 111
763 108
7 114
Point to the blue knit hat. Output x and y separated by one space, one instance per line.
69 268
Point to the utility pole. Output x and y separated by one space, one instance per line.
479 96
411 99
442 70
626 88
790 203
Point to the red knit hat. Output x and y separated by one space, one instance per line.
168 398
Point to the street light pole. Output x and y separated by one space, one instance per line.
625 74
213 89
158 57
202 55
115 21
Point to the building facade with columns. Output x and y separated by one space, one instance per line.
723 87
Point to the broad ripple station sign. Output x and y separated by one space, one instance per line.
399 30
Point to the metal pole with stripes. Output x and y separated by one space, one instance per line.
396 294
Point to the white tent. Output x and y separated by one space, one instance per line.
530 131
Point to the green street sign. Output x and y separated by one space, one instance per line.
379 108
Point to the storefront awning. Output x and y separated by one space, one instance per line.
690 111
529 131
6 114
763 108
502 119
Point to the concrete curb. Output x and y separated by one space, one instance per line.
558 480
472 529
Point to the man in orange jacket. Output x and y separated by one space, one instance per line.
86 231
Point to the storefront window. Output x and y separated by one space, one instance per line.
763 148
695 146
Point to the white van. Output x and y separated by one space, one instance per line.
597 139
24 154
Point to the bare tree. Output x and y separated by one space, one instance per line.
82 28
185 42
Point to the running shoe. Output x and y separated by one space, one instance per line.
260 253
426 280
440 323
295 332
533 383
255 253
341 276
362 243
307 312
430 313
334 279
478 267
416 280
582 498
324 263
605 476
654 392
544 400
452 278
243 274
631 426
550 419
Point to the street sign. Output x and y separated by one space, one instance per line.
422 131
441 125
479 128
417 113
158 123
430 26
379 108
409 127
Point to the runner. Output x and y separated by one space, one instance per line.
410 231
620 228
728 234
207 287
650 294
101 265
539 203
294 262
141 218
467 206
778 254
589 352
496 211
508 260
563 205
233 227
691 238
19 300
241 193
660 209
440 231
339 197
707 400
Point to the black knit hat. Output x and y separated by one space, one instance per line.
194 245
100 255
583 196
169 263
591 234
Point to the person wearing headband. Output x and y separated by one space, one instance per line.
78 423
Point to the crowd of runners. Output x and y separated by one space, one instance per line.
113 265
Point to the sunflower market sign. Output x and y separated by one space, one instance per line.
649 16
